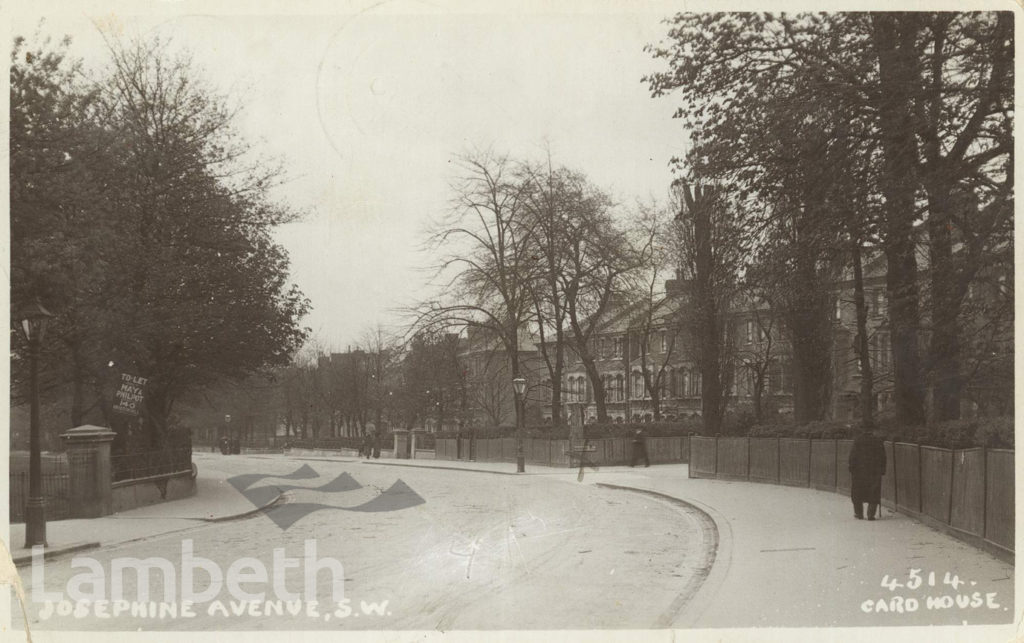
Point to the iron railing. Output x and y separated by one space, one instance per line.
143 464
55 493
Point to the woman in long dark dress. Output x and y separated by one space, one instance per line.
867 466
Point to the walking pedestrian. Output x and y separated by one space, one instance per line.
867 466
367 446
639 449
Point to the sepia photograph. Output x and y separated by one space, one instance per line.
600 320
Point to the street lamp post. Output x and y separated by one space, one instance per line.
33 325
519 384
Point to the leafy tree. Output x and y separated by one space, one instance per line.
59 165
709 253
157 251
908 113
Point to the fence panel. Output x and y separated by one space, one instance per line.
764 459
560 453
620 451
661 450
968 512
702 457
843 447
794 461
732 458
508 449
889 479
936 482
823 464
532 449
908 476
999 509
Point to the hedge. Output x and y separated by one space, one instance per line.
608 430
995 432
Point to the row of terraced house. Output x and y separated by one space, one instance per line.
759 345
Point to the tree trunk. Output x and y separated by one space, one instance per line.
894 36
867 397
78 398
595 382
556 377
810 326
944 348
756 397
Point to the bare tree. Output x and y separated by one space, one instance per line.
487 262
598 257
656 311
758 354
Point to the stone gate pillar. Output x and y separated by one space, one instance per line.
401 443
88 449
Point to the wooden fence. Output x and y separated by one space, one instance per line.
968 493
556 453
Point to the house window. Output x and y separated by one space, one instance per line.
839 309
750 331
877 306
638 385
695 382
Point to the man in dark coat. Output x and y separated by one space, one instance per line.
867 466
639 449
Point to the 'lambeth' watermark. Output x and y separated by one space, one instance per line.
197 585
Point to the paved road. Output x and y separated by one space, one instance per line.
482 551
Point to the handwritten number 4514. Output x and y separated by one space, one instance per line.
915 580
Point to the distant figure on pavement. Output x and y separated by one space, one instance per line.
867 466
367 447
376 444
639 449
224 445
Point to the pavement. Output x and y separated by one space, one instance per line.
806 545
781 555
215 499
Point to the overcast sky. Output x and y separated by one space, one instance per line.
368 111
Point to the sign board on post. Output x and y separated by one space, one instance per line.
129 396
